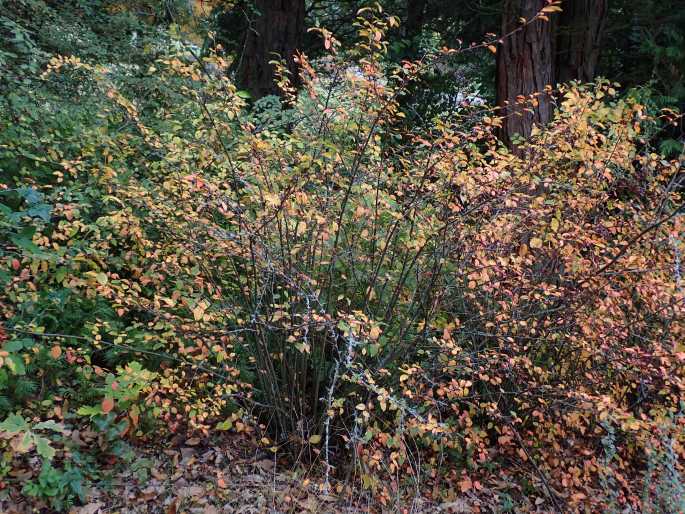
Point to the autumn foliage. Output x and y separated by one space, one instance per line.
399 307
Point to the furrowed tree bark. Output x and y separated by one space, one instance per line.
579 39
525 66
416 12
276 33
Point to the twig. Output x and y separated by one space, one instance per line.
634 240
540 473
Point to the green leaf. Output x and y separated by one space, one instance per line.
17 344
14 424
31 196
42 211
225 425
49 425
88 410
60 274
24 239
43 447
16 364
25 443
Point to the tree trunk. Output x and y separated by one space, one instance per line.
525 65
416 12
275 34
581 25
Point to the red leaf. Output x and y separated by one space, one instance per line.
107 405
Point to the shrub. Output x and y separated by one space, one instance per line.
391 303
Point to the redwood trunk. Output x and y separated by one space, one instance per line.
579 40
416 11
275 34
525 65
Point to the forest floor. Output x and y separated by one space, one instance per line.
232 476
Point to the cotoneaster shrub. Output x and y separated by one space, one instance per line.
400 307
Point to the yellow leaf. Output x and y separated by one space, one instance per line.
225 425
374 333
135 417
555 224
315 439
199 311
536 242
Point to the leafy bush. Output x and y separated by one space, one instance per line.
390 303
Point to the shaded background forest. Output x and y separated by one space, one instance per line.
637 44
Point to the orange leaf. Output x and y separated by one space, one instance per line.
375 333
56 351
522 454
107 405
